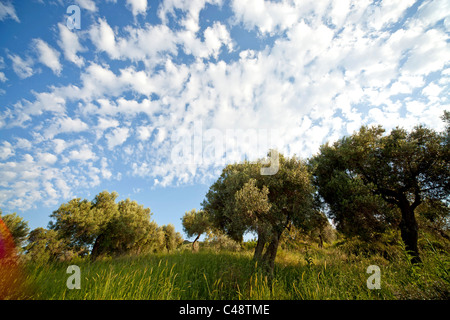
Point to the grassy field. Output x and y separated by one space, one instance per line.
329 273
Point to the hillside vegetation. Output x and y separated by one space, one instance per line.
337 271
368 217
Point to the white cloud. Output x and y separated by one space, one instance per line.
46 158
51 193
387 12
23 143
190 8
98 82
21 67
87 4
102 36
144 132
47 101
70 45
134 45
59 145
104 124
137 6
2 75
415 107
329 68
406 84
64 125
430 53
217 36
267 16
106 173
36 179
21 181
7 11
83 154
432 90
63 188
6 150
48 56
24 110
117 137
430 12
340 10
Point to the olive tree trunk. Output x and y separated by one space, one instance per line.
409 230
271 253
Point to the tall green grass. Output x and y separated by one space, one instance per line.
316 274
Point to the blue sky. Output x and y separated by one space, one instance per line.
152 98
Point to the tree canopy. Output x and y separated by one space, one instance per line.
103 226
401 168
242 200
195 223
46 245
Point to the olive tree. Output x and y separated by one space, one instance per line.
195 223
403 169
242 200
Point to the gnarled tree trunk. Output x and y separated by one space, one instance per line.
271 253
96 248
261 242
409 230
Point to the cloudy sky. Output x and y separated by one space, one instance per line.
151 98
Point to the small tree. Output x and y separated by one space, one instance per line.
195 223
254 205
220 241
171 239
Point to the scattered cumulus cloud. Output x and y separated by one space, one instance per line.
64 125
70 45
85 153
117 137
137 6
172 100
2 66
48 56
7 11
88 5
22 67
6 150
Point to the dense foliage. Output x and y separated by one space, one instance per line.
242 200
100 227
371 181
